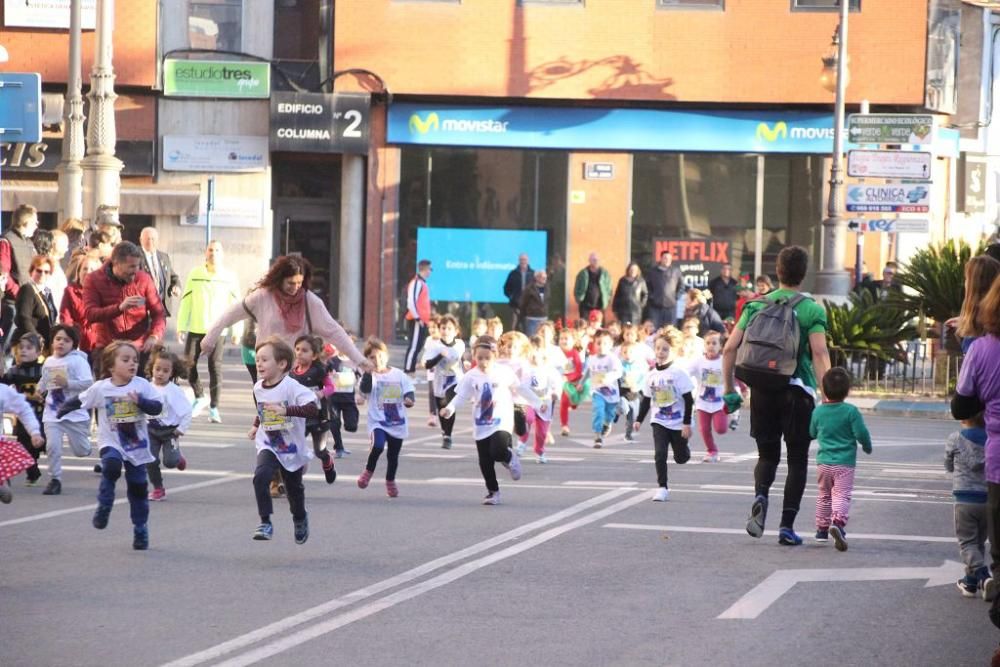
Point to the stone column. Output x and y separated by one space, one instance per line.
70 171
352 237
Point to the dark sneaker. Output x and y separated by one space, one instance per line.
329 471
822 535
301 531
140 538
787 537
5 494
839 536
967 586
101 517
758 513
598 441
265 531
98 469
53 489
446 442
606 431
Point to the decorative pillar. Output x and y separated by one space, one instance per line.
70 171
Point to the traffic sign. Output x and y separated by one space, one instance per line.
20 108
888 198
911 165
885 225
890 128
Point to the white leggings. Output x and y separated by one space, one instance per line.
78 434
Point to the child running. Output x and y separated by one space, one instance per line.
342 403
391 392
311 373
279 431
707 372
546 382
64 375
604 371
491 387
443 357
122 400
433 334
167 428
667 390
839 428
965 458
634 370
575 386
25 375
13 457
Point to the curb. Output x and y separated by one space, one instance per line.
939 409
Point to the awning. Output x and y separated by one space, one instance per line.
136 198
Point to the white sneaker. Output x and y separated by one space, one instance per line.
549 438
734 420
710 458
198 406
541 458
662 495
515 466
492 498
520 449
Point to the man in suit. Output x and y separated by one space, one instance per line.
157 264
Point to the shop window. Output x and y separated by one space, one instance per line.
691 4
793 210
216 24
298 29
823 5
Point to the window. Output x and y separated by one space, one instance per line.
691 4
216 24
822 5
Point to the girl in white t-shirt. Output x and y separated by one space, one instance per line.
443 357
279 431
167 428
667 390
389 392
546 382
709 408
491 388
122 400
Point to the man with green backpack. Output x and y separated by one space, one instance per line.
778 348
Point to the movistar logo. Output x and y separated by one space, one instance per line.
781 131
766 133
419 125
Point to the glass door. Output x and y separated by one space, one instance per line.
310 231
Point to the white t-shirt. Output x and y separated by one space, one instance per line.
11 402
75 369
556 357
666 390
281 434
176 407
634 374
604 371
344 380
707 373
385 404
121 425
546 382
492 398
448 371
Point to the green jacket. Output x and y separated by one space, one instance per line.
206 295
839 428
580 288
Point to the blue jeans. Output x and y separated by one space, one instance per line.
604 412
136 485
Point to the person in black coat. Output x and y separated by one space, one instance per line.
708 319
630 297
723 288
517 280
35 311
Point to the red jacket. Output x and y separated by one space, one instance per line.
71 314
103 292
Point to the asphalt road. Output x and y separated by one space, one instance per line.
577 567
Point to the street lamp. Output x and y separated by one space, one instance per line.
832 280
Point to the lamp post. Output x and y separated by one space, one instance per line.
70 171
832 280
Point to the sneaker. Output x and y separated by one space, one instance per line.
598 442
182 463
606 431
32 481
198 406
158 494
758 513
98 469
140 538
364 478
989 588
541 458
839 536
338 453
967 586
515 466
391 489
788 537
301 530
329 471
662 495
53 489
492 498
822 535
5 494
446 442
565 431
214 416
432 422
734 420
520 449
101 515
710 458
265 531
628 436
549 438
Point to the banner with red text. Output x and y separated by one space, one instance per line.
699 260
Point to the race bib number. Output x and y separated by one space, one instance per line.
712 378
56 374
392 393
599 378
122 410
272 421
345 380
665 396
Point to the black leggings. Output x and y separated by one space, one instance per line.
344 415
663 439
492 450
319 445
380 439
447 423
267 467
192 350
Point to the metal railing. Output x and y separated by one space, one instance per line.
916 368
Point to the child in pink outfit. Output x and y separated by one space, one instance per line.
709 408
546 382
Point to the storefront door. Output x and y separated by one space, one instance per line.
311 230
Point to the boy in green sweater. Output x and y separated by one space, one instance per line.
839 428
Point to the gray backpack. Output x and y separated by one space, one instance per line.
769 352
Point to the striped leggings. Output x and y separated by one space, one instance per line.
833 504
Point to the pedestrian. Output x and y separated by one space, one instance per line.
965 459
575 386
478 329
167 428
279 431
25 376
122 400
513 350
157 264
763 284
709 408
491 388
535 303
310 371
16 253
389 392
36 312
494 328
631 296
443 357
65 373
101 243
781 404
74 230
699 309
210 288
980 273
666 285
744 293
342 403
13 457
513 288
433 336
634 371
72 311
592 288
58 280
546 382
839 428
723 288
667 391
122 304
418 314
604 370
108 223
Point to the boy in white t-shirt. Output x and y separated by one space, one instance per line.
443 357
604 370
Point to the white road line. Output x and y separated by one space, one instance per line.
740 531
913 471
598 483
119 501
291 622
428 455
443 579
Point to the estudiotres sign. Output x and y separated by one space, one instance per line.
216 78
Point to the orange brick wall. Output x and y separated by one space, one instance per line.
756 51
47 51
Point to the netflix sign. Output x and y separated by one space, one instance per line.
699 260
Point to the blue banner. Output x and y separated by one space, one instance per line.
472 264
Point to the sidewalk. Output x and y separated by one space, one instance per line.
926 407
